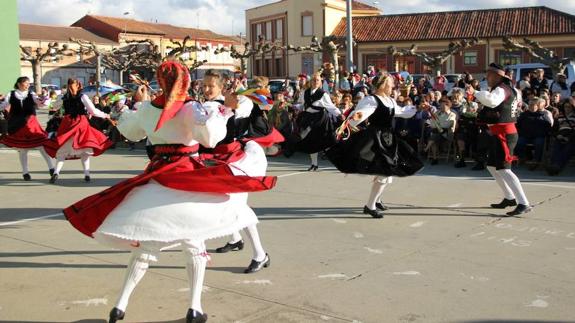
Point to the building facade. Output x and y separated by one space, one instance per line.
432 33
295 22
57 72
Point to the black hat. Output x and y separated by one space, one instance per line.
497 69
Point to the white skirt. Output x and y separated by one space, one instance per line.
67 151
165 216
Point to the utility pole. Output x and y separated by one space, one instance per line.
349 36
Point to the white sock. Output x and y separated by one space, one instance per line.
313 157
254 237
48 159
236 237
196 268
514 184
86 164
139 263
23 155
507 192
379 184
59 165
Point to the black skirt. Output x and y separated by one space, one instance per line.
322 133
375 152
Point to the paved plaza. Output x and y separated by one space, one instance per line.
439 255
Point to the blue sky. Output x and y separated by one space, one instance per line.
227 16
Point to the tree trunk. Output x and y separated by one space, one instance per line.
98 74
336 68
243 66
36 76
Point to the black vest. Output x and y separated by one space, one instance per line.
73 105
20 111
309 98
506 112
382 117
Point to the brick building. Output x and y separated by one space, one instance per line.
432 32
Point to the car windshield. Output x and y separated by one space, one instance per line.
452 78
526 71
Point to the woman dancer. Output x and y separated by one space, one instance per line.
24 131
376 150
317 122
177 200
75 137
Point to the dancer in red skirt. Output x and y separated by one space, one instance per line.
75 137
24 131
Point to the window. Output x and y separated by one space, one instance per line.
470 58
510 57
378 61
269 30
307 25
279 67
307 64
258 30
279 29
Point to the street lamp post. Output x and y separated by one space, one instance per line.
349 36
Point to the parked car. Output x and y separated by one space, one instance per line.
90 90
276 85
52 87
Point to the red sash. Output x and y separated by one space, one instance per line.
501 130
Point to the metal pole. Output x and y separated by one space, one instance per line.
98 75
349 37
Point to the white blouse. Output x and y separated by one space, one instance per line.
368 105
194 123
21 95
324 102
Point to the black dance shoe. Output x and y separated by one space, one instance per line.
520 209
381 207
51 171
377 214
87 179
460 164
478 166
256 266
196 317
312 168
503 204
53 178
27 177
116 314
231 247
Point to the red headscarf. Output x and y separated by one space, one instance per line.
174 79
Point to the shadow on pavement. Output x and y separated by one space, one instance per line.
20 264
286 213
92 321
13 214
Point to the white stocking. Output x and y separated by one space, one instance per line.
254 237
196 267
514 184
313 157
507 192
86 164
379 184
47 158
139 263
59 165
236 236
23 155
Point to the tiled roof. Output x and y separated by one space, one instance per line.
59 34
526 21
358 5
169 31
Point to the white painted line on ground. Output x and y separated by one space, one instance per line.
291 174
417 224
3 224
407 273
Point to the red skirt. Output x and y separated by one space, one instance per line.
29 136
83 135
233 152
178 172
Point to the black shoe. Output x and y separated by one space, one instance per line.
374 213
196 317
27 177
231 247
381 207
51 171
256 266
478 166
520 209
116 314
434 161
503 204
312 168
460 164
87 178
53 178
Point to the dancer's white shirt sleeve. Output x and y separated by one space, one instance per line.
367 107
325 102
404 112
92 110
245 106
209 122
491 99
130 125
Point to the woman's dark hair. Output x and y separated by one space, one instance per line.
20 80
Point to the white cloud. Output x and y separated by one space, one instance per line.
224 15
